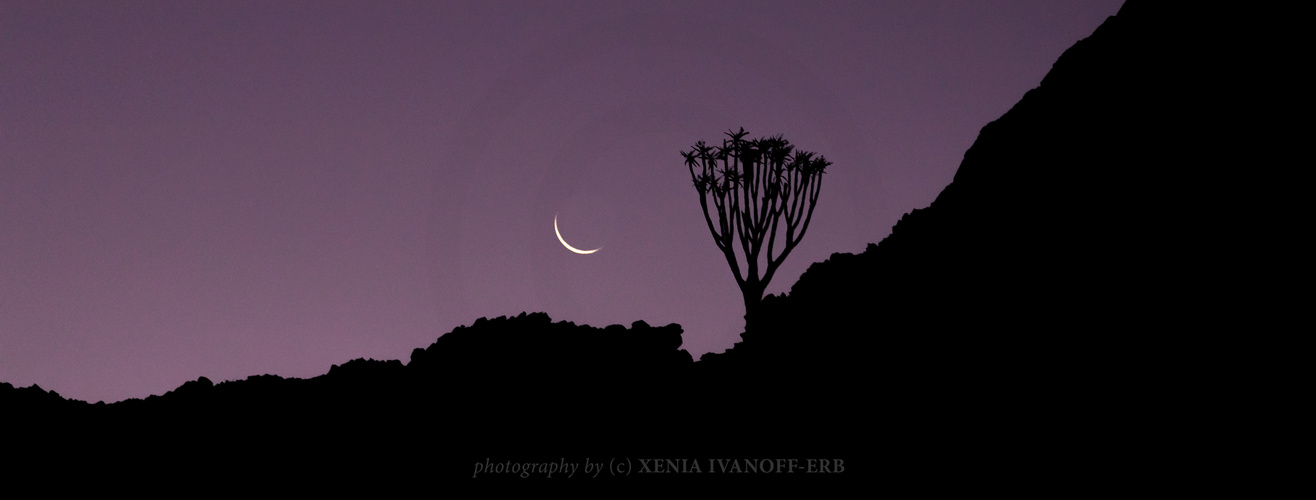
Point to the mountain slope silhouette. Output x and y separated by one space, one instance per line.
1050 317
1062 308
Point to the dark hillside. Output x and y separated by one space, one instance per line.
1058 314
1071 292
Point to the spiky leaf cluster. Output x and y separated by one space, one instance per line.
754 186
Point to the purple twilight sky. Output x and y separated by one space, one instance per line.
225 189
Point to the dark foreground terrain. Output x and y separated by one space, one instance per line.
1073 311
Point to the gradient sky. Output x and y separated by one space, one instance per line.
225 189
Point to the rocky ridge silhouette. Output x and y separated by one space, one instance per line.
1047 319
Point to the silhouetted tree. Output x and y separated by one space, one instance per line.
754 185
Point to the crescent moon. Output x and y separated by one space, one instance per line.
564 242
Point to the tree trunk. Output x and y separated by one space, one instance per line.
753 294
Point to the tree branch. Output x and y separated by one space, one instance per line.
754 185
